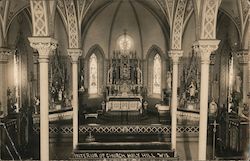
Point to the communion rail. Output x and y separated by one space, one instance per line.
121 129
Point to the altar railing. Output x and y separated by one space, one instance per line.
122 129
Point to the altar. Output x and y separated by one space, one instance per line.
121 103
124 82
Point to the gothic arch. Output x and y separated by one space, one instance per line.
62 16
98 51
27 13
152 52
155 49
231 18
178 25
27 16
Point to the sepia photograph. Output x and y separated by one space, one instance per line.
124 80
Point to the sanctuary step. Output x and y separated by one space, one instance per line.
125 117
124 146
120 146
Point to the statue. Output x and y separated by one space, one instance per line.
60 95
139 75
169 80
192 91
238 82
213 107
36 104
82 81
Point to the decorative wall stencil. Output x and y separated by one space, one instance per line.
72 24
39 18
209 19
178 25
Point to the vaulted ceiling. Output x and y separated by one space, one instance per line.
163 10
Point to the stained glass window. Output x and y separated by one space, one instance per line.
157 74
93 74
125 42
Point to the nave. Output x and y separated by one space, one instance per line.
124 79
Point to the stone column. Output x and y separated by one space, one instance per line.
4 54
175 55
74 54
44 46
243 60
205 47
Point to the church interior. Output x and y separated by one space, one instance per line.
124 80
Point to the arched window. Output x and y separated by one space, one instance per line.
93 74
157 75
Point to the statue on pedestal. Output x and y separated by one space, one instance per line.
36 105
213 107
238 82
192 91
81 83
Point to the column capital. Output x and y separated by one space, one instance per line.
243 56
175 55
4 54
74 54
44 46
205 48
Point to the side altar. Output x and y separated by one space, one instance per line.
124 84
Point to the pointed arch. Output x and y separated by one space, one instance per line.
94 53
157 70
155 74
93 73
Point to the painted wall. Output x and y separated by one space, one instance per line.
110 23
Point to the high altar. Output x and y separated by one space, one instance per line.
124 84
